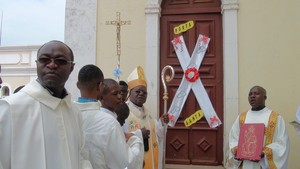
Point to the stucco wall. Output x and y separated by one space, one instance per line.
268 52
18 65
132 36
269 55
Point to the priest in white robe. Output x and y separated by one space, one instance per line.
276 144
39 128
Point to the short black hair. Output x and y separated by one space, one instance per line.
123 83
71 52
122 113
107 83
122 109
90 76
263 90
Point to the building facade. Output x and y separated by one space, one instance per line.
258 42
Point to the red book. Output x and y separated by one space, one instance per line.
251 141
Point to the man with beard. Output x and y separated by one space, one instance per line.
39 127
276 140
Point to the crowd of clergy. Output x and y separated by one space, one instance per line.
108 126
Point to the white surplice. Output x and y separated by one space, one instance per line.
280 145
39 131
140 113
105 143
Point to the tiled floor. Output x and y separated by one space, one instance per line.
172 166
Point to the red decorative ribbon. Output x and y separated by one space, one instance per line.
177 41
195 76
213 120
171 117
204 39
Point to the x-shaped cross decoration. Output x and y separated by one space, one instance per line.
191 80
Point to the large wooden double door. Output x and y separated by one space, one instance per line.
198 144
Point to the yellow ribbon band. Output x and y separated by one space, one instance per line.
193 118
183 27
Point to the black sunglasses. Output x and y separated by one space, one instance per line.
57 61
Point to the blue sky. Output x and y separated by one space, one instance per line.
31 22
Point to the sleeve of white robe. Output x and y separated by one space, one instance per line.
280 145
137 133
159 128
125 126
116 151
5 135
135 153
233 139
297 128
84 162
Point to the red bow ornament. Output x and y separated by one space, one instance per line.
191 74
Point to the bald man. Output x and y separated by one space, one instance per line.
276 145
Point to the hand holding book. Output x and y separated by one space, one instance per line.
250 144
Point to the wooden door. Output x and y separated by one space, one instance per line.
198 144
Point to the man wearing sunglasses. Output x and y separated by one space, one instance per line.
38 125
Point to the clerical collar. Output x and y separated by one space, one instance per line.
138 107
258 108
64 93
85 100
141 113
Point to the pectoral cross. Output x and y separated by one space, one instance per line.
118 23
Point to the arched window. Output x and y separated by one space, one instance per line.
5 91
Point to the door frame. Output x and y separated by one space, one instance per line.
230 61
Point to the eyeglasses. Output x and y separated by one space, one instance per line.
140 91
57 61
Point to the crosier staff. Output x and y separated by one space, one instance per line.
165 79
